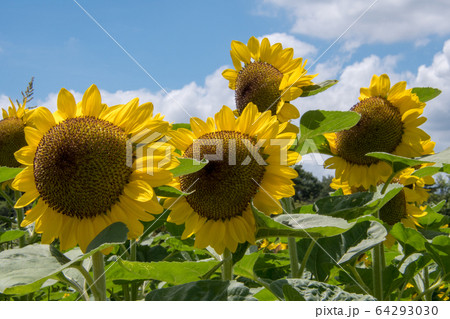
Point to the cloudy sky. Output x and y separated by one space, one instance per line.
172 53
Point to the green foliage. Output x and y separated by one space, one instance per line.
317 88
203 290
10 235
308 188
426 94
314 291
8 173
338 250
318 122
188 166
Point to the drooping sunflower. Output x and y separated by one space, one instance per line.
81 167
12 135
269 78
389 122
405 207
248 162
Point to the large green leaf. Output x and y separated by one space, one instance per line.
426 94
440 252
8 173
203 290
188 166
11 235
315 291
398 163
411 240
174 273
340 249
356 205
299 225
318 122
115 233
441 158
317 87
25 270
244 267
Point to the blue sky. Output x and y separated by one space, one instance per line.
185 45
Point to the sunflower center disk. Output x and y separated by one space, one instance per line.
12 139
80 166
394 210
258 82
380 129
225 186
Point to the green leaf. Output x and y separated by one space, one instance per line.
439 249
318 122
434 220
8 173
410 239
340 249
174 273
441 158
356 205
115 233
291 294
169 191
298 225
27 269
188 166
203 290
244 267
426 94
317 144
11 235
316 291
181 125
153 225
427 171
272 266
265 295
398 163
317 87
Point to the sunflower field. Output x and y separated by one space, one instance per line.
112 202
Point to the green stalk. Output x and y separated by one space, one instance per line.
293 257
98 265
133 256
89 280
377 268
20 216
7 198
426 283
359 279
227 266
305 259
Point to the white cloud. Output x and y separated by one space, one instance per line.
178 105
385 22
301 49
4 102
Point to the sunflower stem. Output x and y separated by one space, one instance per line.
305 259
292 245
133 256
98 265
227 266
377 270
20 215
89 280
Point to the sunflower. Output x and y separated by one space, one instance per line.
269 78
248 161
405 207
389 122
80 168
12 135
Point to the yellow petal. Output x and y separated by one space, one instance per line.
43 119
66 103
25 155
241 51
139 190
225 119
27 198
91 104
